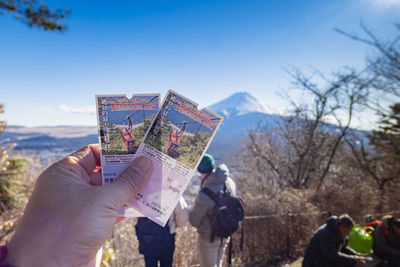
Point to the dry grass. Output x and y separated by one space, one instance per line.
287 219
124 242
278 226
16 185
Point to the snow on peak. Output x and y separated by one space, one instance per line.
239 104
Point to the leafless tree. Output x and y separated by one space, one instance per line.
383 67
378 157
301 151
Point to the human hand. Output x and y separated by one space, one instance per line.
361 260
67 218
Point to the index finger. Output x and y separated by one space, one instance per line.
87 158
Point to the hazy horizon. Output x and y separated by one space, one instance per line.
205 50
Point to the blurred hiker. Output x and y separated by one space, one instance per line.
157 243
328 245
387 241
371 221
211 249
67 218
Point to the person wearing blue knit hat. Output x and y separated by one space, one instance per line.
216 179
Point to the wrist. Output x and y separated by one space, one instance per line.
22 252
3 255
37 241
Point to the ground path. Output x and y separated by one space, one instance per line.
296 263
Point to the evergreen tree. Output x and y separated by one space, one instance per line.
386 140
3 124
35 14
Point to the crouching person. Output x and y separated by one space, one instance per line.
387 241
328 245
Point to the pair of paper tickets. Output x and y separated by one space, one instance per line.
174 137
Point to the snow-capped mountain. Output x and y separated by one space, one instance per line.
242 113
240 103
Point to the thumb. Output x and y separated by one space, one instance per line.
129 182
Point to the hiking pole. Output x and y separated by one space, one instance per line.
230 251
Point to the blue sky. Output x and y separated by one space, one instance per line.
205 50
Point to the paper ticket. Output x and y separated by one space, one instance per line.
122 124
175 143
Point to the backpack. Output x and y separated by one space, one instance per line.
152 237
360 239
227 214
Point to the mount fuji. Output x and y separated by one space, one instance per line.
242 113
239 104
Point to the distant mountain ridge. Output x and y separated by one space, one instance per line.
241 111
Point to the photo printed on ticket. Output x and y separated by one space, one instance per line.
175 143
122 124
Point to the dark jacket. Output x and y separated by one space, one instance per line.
386 242
327 248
